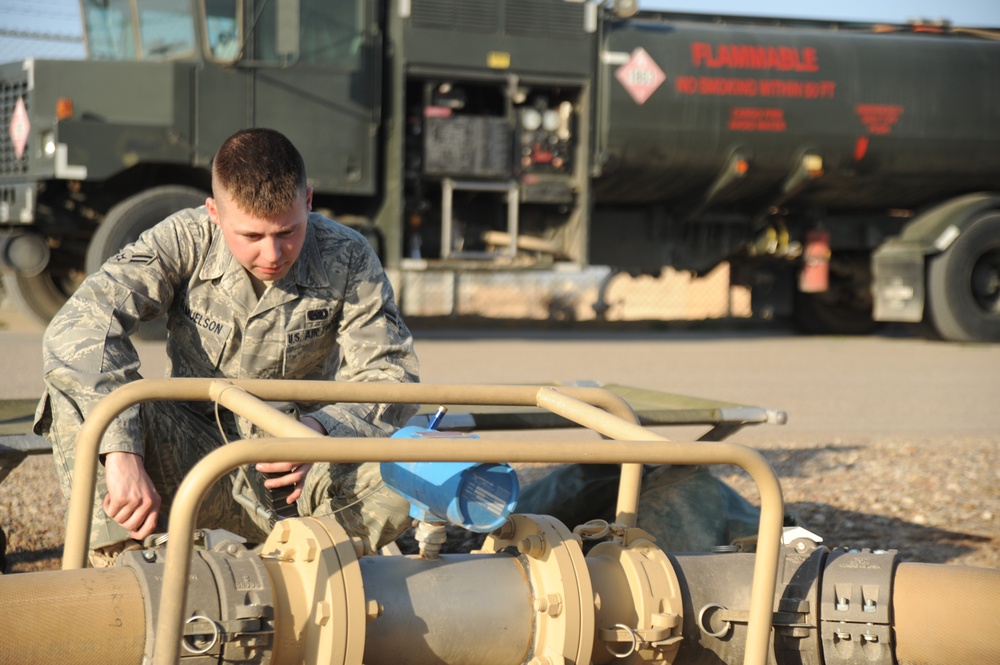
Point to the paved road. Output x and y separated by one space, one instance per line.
830 386
913 403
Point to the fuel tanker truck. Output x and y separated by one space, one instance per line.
848 173
537 592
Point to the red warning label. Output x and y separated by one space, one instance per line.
751 119
640 76
19 127
879 118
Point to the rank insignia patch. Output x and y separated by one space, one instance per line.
132 256
318 314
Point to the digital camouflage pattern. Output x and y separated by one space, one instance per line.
332 317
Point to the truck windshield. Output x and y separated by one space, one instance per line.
222 29
138 29
330 33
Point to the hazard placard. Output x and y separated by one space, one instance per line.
640 76
19 127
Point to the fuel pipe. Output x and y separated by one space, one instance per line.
616 420
530 596
307 595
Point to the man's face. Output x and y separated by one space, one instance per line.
266 247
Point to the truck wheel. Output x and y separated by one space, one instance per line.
40 295
126 221
845 308
963 284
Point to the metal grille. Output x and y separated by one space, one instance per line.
531 18
467 146
10 92
536 18
467 15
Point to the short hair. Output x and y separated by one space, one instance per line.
260 171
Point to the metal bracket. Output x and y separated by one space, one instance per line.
855 602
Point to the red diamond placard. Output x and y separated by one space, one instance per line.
640 75
19 126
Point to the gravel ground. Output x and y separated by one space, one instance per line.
867 498
933 504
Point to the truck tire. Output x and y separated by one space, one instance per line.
845 308
126 221
39 295
963 284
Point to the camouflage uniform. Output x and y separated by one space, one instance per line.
332 317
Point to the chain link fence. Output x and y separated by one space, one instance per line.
34 29
579 295
16 47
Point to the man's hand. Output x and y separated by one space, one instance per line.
294 475
132 501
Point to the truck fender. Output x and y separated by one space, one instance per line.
899 265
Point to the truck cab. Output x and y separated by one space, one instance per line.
453 140
100 149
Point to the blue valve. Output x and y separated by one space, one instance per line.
476 496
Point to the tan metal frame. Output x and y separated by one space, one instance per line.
597 409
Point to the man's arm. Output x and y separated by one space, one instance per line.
132 501
376 346
87 348
88 353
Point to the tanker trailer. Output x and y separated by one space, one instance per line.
847 172
530 595
827 162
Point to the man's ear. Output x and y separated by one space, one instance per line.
213 210
309 199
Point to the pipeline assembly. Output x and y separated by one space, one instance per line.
537 592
